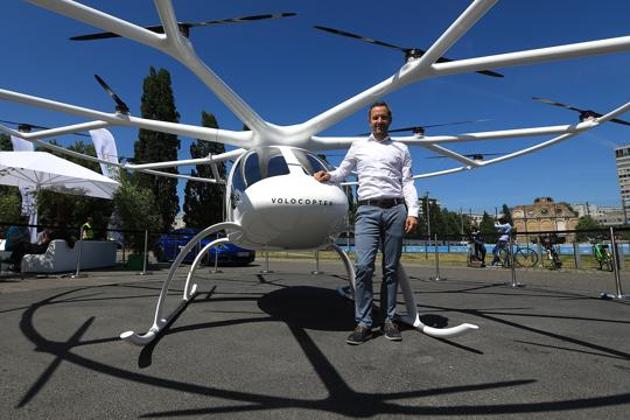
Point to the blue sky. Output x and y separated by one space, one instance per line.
289 72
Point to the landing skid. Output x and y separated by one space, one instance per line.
412 317
161 319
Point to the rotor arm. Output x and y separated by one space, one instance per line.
404 75
580 128
534 56
458 28
232 154
234 138
63 150
109 23
450 153
171 43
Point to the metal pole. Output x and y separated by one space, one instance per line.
426 249
266 270
216 270
437 263
618 293
144 254
77 274
316 264
576 255
511 259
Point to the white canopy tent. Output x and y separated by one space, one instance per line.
40 170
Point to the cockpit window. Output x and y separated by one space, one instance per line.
311 163
252 170
263 163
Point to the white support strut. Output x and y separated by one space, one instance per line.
159 319
412 317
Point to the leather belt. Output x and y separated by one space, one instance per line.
383 203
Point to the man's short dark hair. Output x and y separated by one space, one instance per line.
380 103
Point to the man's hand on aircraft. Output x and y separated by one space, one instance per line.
321 176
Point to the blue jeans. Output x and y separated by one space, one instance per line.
374 226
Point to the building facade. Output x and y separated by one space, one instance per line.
605 215
622 159
544 215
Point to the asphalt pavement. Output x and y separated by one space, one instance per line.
272 345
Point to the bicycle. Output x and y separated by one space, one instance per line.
524 257
602 255
551 260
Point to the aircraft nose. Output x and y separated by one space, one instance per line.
293 212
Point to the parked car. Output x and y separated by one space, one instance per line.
168 246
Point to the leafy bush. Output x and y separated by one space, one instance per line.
137 211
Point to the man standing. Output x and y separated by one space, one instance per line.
504 229
385 186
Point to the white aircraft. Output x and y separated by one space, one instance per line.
272 200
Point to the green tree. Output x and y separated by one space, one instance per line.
135 205
10 208
586 223
203 202
5 143
486 227
158 103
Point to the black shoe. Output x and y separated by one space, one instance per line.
359 335
391 331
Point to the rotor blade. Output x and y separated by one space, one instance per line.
416 127
40 127
572 108
184 26
554 103
360 38
241 19
485 72
470 155
104 35
618 121
120 105
17 124
456 123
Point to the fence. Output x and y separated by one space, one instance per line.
132 254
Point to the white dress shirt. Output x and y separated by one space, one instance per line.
384 171
505 230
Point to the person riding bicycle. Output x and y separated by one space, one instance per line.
478 246
504 229
547 242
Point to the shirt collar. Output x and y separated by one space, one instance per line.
385 140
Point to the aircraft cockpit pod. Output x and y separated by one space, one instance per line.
273 195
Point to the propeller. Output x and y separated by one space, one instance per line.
26 127
420 129
409 52
120 105
584 113
184 27
473 156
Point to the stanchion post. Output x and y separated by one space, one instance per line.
144 254
576 255
512 262
437 262
266 270
216 270
316 271
618 295
78 274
